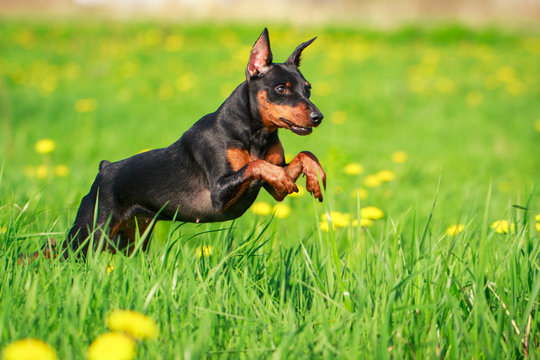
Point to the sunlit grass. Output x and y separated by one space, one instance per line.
426 245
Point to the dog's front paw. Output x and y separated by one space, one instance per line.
312 169
282 182
275 176
312 185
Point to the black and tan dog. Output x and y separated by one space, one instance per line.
216 169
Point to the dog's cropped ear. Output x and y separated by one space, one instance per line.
260 58
294 59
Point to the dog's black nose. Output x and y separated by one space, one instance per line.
316 117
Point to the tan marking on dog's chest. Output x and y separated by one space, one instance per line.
238 158
275 154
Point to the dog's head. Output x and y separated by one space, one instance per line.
280 90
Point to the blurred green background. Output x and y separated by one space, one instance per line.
461 103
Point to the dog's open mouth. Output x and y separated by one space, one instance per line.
297 129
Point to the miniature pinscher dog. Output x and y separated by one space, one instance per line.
215 171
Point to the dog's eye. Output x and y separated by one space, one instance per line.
281 89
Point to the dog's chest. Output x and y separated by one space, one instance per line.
238 158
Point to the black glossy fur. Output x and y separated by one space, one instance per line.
204 177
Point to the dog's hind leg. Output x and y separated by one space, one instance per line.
124 233
92 218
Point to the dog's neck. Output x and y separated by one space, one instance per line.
239 114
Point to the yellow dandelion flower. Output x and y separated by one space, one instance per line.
261 208
371 212
431 57
538 226
400 157
61 170
25 38
506 74
45 146
42 171
445 85
363 222
515 87
301 192
372 181
453 230
325 226
505 186
174 43
532 45
185 82
502 227
29 349
385 175
85 105
204 250
474 98
281 211
109 269
353 169
339 219
359 193
48 85
128 69
537 125
112 346
149 38
133 323
537 217
338 117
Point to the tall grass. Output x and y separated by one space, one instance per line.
394 292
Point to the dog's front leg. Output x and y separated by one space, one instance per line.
228 189
306 163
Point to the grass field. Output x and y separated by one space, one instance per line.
437 129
